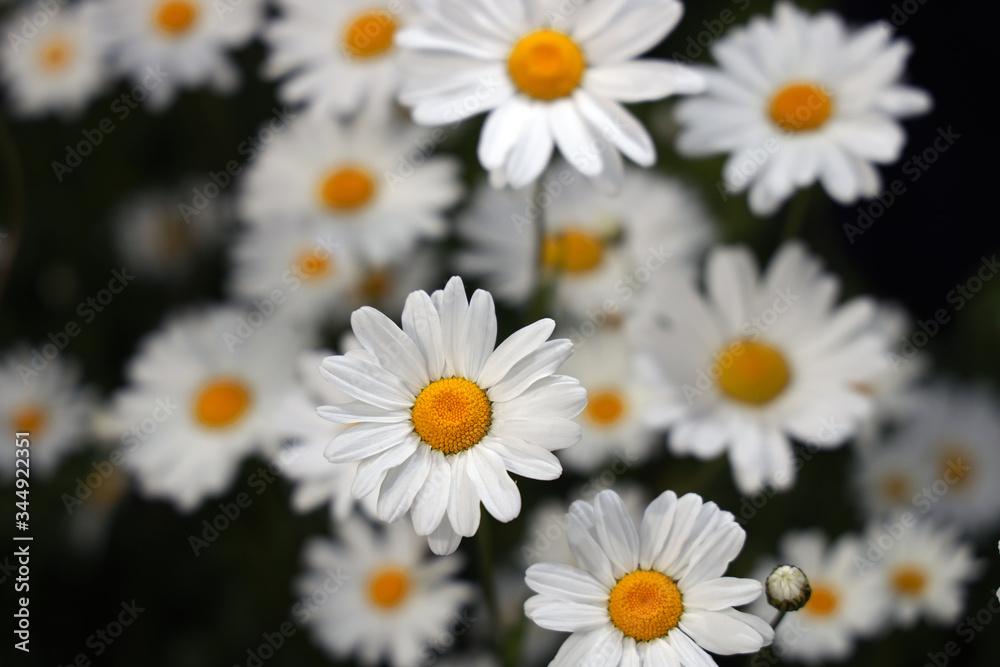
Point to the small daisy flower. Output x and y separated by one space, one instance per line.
759 360
386 287
440 417
353 181
59 69
817 101
843 606
889 478
201 397
653 596
167 45
547 78
378 596
48 403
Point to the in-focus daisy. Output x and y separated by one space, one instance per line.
760 360
799 99
357 182
42 396
440 417
547 75
844 605
58 68
164 46
375 596
653 596
202 394
337 56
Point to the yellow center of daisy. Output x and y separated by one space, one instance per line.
175 17
956 465
546 64
314 264
221 403
756 375
388 586
56 54
896 488
822 602
909 580
452 415
375 285
110 491
346 188
606 407
369 34
572 251
645 605
176 237
28 419
800 107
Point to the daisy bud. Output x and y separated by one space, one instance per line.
787 588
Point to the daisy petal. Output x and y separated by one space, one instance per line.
616 533
643 80
565 582
495 487
463 504
366 381
716 594
542 362
402 484
520 344
366 439
613 122
422 323
564 616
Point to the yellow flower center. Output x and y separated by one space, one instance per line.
756 373
452 415
346 188
369 34
546 64
606 407
645 605
822 602
375 285
176 237
800 107
221 403
176 16
896 488
314 264
30 418
56 54
956 464
388 586
909 580
572 251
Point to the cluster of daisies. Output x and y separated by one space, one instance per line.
405 405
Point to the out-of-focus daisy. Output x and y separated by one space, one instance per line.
58 68
201 396
547 77
354 181
164 46
43 397
596 248
440 417
383 599
386 287
337 56
800 99
890 478
652 596
474 660
844 605
759 360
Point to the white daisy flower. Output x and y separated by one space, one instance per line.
43 397
202 396
548 77
441 417
800 99
386 287
347 179
338 76
843 607
379 597
166 45
58 69
653 596
760 360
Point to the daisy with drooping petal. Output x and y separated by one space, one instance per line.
440 417
800 99
654 596
760 360
547 77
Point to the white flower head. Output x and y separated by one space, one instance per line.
440 417
548 76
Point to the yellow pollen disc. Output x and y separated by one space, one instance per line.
56 54
645 605
604 408
221 403
375 285
896 488
756 375
800 107
346 188
822 602
176 237
176 16
313 264
546 65
388 586
369 34
572 251
452 415
28 419
956 465
909 580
